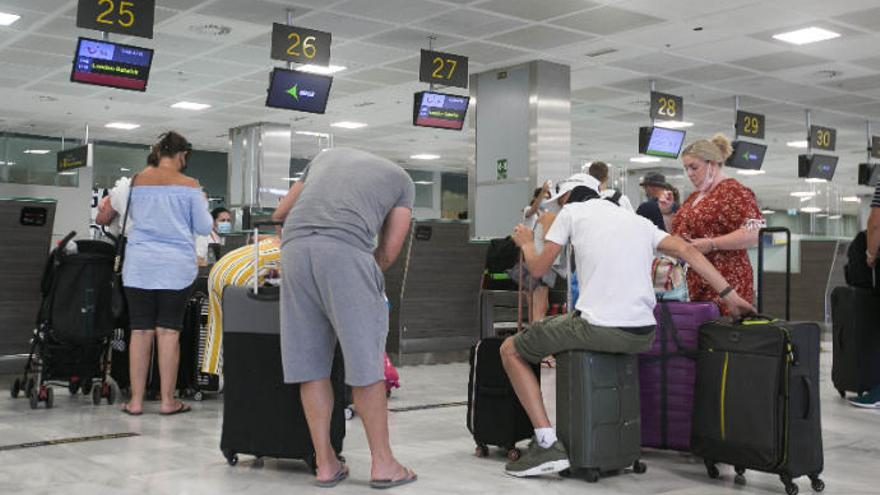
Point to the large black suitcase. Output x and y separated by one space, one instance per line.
187 370
494 414
757 396
262 415
855 313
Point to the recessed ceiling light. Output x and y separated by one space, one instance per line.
673 124
69 172
751 172
803 194
805 36
644 159
189 105
123 169
312 133
36 152
851 199
8 19
125 126
423 182
797 144
815 180
349 125
320 69
768 212
424 156
835 217
811 209
821 215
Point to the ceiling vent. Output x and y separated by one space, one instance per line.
364 104
210 30
604 51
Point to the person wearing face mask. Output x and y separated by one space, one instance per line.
222 224
720 218
538 216
167 209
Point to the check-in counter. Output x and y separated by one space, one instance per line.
434 290
25 237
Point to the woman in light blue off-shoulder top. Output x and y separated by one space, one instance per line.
167 208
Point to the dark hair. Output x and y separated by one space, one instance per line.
599 170
537 192
169 144
217 211
580 194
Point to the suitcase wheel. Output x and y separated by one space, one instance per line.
790 487
259 462
16 388
817 484
513 454
73 386
231 457
198 396
96 394
712 470
842 393
349 412
481 451
591 475
639 467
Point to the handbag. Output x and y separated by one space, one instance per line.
118 303
669 276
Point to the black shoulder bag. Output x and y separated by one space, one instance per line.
118 304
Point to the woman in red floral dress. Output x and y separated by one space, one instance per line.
721 218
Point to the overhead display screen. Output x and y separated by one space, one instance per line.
440 110
817 166
747 155
103 63
660 141
300 91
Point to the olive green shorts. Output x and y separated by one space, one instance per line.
570 332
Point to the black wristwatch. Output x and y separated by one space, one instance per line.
725 292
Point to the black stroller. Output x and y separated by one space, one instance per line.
75 325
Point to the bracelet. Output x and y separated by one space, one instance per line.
714 246
725 292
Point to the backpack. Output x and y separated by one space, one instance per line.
857 272
502 255
615 198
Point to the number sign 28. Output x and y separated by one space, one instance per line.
129 17
666 107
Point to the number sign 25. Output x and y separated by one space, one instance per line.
302 45
443 68
666 107
129 17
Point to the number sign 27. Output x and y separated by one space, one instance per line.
443 68
130 17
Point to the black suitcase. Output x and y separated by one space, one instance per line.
187 369
494 415
756 404
855 313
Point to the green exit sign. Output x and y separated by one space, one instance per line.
501 169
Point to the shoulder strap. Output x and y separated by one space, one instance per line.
616 197
120 242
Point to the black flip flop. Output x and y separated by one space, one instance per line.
385 484
339 477
128 411
181 408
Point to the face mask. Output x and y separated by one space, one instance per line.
552 207
708 180
224 227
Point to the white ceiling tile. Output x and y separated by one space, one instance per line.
487 53
32 58
257 11
343 26
607 20
728 49
539 38
778 61
384 76
403 11
657 63
535 11
47 44
412 39
357 54
709 73
466 22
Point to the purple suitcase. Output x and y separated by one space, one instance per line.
667 374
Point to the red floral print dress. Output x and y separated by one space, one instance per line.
726 208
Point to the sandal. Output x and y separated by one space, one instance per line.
339 477
385 484
181 408
128 411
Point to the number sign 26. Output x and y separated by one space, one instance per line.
130 17
666 107
302 45
443 68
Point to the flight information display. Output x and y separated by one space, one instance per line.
660 141
300 91
747 155
103 63
440 110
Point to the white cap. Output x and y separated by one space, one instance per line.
570 183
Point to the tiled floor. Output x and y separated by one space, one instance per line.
180 455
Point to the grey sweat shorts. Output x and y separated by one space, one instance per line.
331 291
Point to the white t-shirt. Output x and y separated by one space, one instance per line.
118 200
613 251
623 201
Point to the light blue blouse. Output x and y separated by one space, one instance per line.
161 252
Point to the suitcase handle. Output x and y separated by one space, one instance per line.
757 319
771 230
808 386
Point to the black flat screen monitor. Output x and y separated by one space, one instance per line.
300 91
440 110
747 155
817 166
114 65
869 174
660 141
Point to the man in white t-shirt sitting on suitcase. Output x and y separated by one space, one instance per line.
614 311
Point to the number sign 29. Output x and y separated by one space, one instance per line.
749 125
301 45
666 107
129 17
443 68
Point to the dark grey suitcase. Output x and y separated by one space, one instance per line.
598 416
